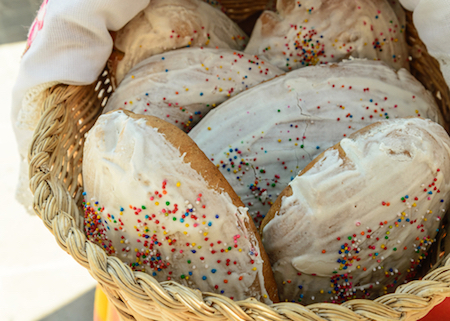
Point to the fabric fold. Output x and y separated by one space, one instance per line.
69 42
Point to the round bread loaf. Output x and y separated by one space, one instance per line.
359 220
182 86
264 136
311 32
154 200
170 24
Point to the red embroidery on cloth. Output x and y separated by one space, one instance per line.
37 24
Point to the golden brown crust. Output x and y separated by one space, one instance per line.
202 165
274 208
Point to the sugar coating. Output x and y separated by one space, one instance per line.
149 208
360 222
183 85
171 24
311 32
264 136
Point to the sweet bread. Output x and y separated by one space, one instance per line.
154 200
170 24
311 32
183 85
359 219
399 12
264 136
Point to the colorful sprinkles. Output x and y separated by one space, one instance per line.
258 173
151 247
311 41
184 94
365 252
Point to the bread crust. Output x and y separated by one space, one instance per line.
202 165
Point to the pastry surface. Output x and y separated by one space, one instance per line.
155 201
264 136
171 24
183 85
311 32
358 221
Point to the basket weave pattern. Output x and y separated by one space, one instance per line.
55 159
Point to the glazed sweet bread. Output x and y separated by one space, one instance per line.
264 136
183 85
154 200
311 32
358 221
170 24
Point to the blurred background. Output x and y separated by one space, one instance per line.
38 280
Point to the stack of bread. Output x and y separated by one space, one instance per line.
314 132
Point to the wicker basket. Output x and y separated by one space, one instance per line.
55 158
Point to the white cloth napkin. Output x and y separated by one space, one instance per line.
432 20
68 43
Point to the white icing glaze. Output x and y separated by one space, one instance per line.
399 11
182 86
170 24
151 202
264 136
310 32
353 224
